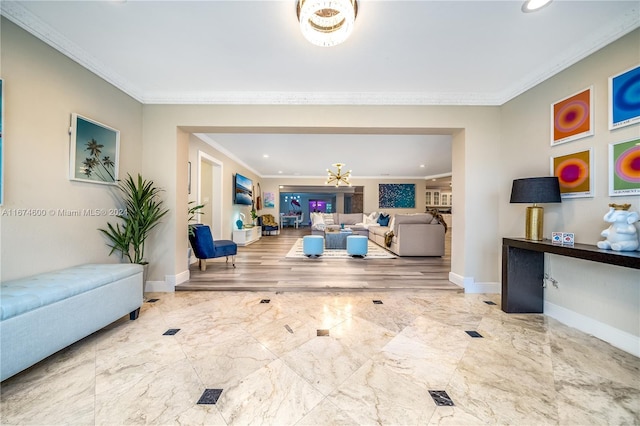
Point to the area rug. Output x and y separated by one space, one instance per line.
374 252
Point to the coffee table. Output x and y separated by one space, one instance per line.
336 240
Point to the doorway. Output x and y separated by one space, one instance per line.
210 192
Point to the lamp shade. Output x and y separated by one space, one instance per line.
536 190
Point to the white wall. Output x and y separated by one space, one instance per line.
608 295
42 88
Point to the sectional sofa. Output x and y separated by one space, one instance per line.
416 234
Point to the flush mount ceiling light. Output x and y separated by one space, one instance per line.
336 177
326 23
534 5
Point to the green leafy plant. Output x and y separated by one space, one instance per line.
193 212
143 210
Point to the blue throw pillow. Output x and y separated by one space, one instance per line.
383 219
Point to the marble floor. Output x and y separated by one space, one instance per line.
376 366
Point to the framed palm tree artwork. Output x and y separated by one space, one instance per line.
94 152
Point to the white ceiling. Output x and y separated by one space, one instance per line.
400 53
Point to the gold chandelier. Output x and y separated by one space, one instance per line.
326 23
334 178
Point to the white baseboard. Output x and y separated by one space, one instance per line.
158 287
459 280
169 284
178 279
470 286
616 337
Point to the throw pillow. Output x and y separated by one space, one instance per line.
328 218
383 220
316 219
388 238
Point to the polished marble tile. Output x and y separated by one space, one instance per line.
272 395
376 366
325 362
375 394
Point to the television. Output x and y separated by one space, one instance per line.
243 190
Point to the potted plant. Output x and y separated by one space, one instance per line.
193 211
143 210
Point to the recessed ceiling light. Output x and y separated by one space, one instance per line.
534 5
280 171
422 166
265 155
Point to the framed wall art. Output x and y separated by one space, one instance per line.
624 168
624 98
572 117
575 174
269 200
397 195
94 152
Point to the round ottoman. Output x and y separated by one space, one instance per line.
357 245
313 245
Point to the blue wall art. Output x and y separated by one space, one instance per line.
397 195
624 103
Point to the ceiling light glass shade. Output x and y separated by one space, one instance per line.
533 5
327 23
335 178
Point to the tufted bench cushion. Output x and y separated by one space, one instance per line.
41 314
26 294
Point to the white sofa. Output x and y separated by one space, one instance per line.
41 314
418 234
322 221
415 234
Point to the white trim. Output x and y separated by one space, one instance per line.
26 20
206 139
22 17
485 288
459 280
616 337
470 286
159 287
216 198
323 98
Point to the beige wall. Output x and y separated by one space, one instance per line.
607 294
42 88
476 253
491 146
230 212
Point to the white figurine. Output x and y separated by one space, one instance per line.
622 235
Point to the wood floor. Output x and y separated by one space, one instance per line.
263 266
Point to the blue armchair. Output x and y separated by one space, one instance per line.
204 247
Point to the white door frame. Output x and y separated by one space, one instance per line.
216 197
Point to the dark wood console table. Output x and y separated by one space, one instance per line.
523 269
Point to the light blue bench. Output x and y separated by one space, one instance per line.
41 314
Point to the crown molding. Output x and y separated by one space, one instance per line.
206 139
596 41
20 16
323 98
